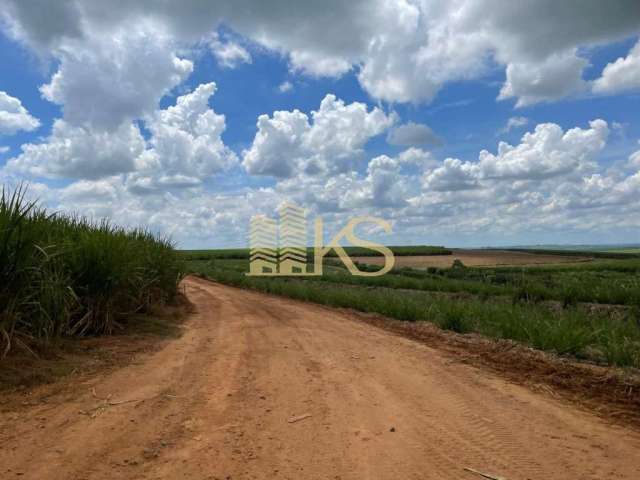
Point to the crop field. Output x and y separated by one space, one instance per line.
578 306
67 276
476 258
634 251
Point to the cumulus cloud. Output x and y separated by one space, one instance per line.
14 117
452 176
382 187
620 76
318 65
332 140
402 51
547 152
228 53
418 158
558 76
184 148
186 144
121 76
114 61
388 184
413 134
504 194
81 152
528 188
4 149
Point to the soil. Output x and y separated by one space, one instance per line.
475 258
266 387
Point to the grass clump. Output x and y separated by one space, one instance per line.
65 275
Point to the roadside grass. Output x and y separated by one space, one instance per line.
592 336
63 275
71 357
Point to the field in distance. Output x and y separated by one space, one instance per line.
477 258
243 253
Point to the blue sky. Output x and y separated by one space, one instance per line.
435 78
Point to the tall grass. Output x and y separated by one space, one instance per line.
65 275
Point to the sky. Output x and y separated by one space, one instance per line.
462 123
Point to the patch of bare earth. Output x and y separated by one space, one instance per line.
266 387
475 258
31 373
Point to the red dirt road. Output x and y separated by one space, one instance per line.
217 404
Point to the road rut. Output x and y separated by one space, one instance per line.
263 387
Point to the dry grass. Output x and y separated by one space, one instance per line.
52 366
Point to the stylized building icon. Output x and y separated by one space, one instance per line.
263 242
293 240
280 248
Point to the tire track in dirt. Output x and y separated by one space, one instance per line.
216 404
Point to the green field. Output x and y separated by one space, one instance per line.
597 251
64 275
589 311
632 251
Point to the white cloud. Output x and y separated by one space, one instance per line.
193 217
186 144
14 117
81 152
500 197
620 76
452 176
382 187
285 86
4 149
547 152
413 134
185 147
316 65
558 76
416 48
417 157
114 62
403 51
108 79
514 122
288 143
634 160
228 53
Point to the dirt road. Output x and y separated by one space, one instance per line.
264 387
